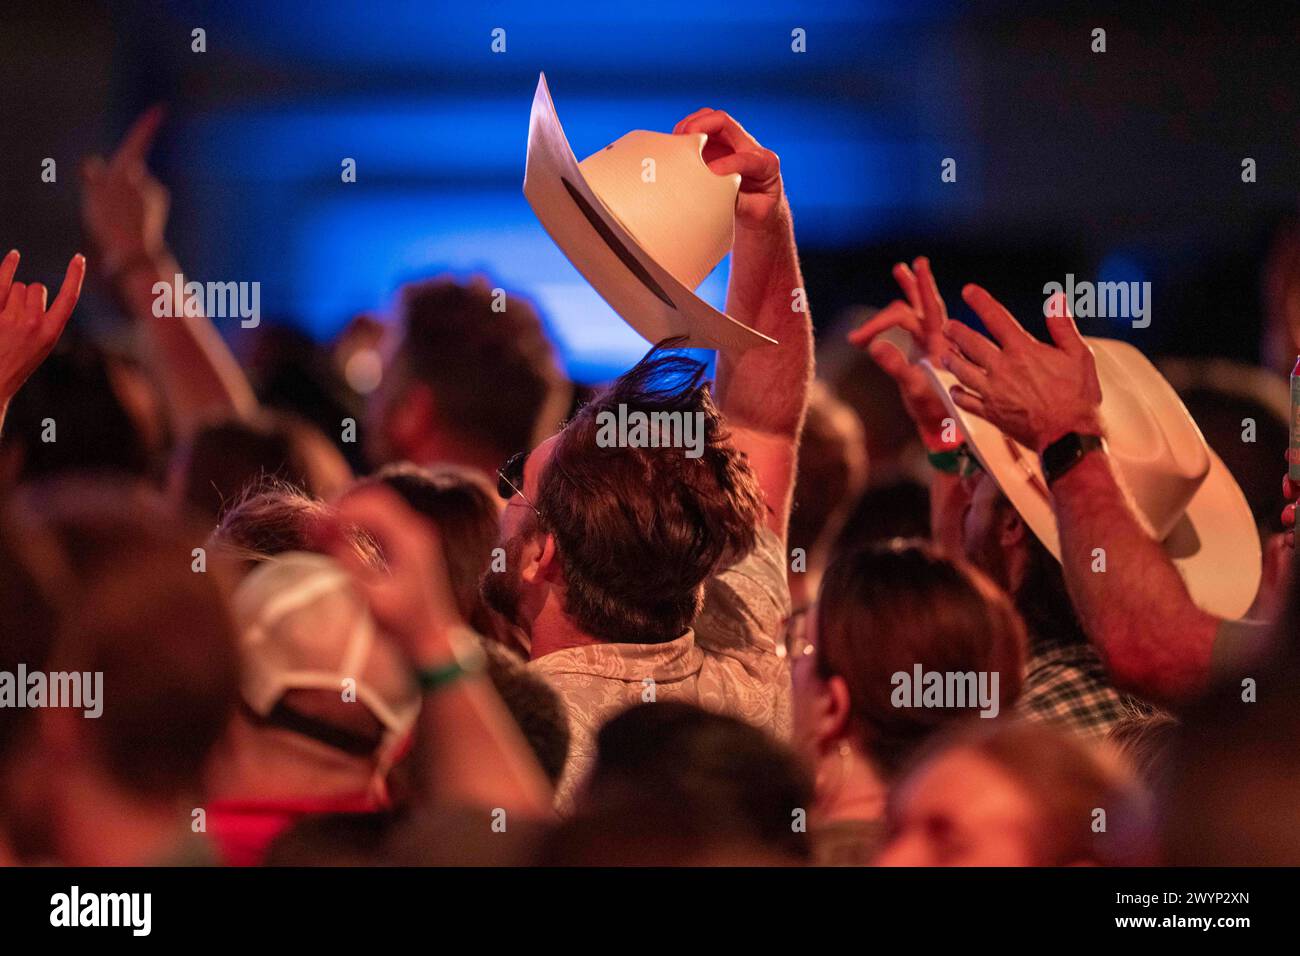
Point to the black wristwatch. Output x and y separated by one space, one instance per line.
1066 452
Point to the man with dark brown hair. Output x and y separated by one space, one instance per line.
472 379
642 572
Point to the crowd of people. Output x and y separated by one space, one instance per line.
442 622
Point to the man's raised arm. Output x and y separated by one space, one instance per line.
125 212
764 392
1153 639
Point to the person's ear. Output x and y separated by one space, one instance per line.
1011 528
538 560
832 722
548 561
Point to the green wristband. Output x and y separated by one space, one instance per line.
946 461
959 461
435 678
467 659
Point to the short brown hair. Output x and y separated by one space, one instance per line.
639 530
889 608
227 456
493 369
464 507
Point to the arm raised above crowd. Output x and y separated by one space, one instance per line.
764 392
125 210
1153 639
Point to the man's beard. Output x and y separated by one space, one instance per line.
501 589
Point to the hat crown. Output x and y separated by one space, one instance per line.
1183 492
1160 453
304 625
659 189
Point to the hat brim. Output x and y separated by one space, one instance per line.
1215 545
646 295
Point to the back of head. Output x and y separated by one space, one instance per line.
1146 738
465 508
674 784
832 470
1230 797
273 518
224 458
160 633
487 360
886 611
893 509
316 664
640 525
634 829
69 418
1067 781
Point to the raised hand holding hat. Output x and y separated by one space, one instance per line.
648 217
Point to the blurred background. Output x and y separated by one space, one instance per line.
1117 165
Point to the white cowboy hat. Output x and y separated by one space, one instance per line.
1184 494
644 220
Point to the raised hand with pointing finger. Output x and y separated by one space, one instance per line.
124 210
123 206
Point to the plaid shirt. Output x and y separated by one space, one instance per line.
1066 683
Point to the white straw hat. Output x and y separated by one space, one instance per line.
644 220
1183 492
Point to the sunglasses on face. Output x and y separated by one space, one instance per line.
968 466
510 479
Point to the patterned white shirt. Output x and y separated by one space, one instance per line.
727 663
